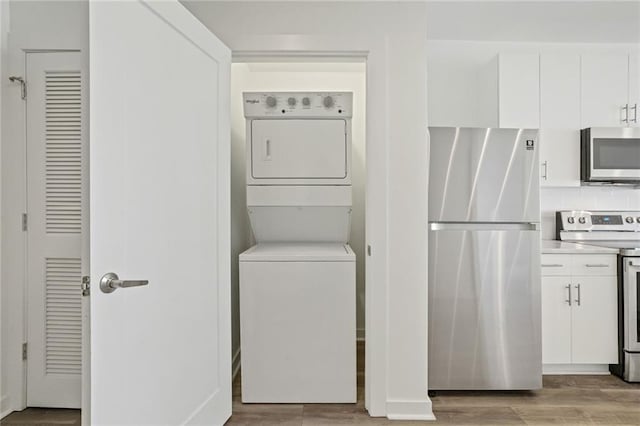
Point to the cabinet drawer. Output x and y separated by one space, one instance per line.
556 264
594 264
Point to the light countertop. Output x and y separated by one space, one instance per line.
563 247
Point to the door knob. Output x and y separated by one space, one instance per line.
110 282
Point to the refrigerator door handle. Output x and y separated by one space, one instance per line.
484 226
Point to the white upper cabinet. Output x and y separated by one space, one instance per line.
519 90
560 119
462 88
634 89
605 90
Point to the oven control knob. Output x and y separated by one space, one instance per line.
629 219
271 101
582 220
638 219
328 102
571 220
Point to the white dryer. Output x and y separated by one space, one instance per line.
297 284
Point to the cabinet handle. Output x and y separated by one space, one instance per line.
552 265
596 265
568 287
578 300
635 113
626 114
546 170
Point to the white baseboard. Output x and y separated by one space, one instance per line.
419 409
5 406
235 364
566 369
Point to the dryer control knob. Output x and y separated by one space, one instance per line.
306 101
291 101
271 101
328 102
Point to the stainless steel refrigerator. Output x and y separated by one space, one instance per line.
484 259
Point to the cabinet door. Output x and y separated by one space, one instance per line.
519 90
634 89
560 119
605 89
594 320
556 320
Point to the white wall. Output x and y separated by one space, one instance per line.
284 76
62 25
392 36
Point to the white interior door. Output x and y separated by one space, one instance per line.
56 142
160 353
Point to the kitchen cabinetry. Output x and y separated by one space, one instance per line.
559 119
519 90
579 309
609 90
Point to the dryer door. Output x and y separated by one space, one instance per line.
299 149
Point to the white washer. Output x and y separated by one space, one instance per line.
298 323
297 284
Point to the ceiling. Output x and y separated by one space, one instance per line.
535 21
572 21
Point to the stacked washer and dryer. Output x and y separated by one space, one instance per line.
297 284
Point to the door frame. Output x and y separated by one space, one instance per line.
331 48
374 381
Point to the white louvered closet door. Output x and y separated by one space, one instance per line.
56 136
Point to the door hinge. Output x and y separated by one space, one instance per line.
23 85
25 222
24 351
86 285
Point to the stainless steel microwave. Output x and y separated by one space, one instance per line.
610 155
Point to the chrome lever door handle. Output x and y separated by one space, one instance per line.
110 282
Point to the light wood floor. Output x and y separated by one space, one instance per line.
567 400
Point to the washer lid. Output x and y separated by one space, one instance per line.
299 252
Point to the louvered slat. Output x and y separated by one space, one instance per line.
63 162
63 328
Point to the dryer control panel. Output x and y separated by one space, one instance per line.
297 104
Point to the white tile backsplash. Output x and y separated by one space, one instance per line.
584 198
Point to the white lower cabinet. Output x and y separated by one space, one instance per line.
594 326
556 321
579 312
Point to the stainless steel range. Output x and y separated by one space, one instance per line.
619 230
